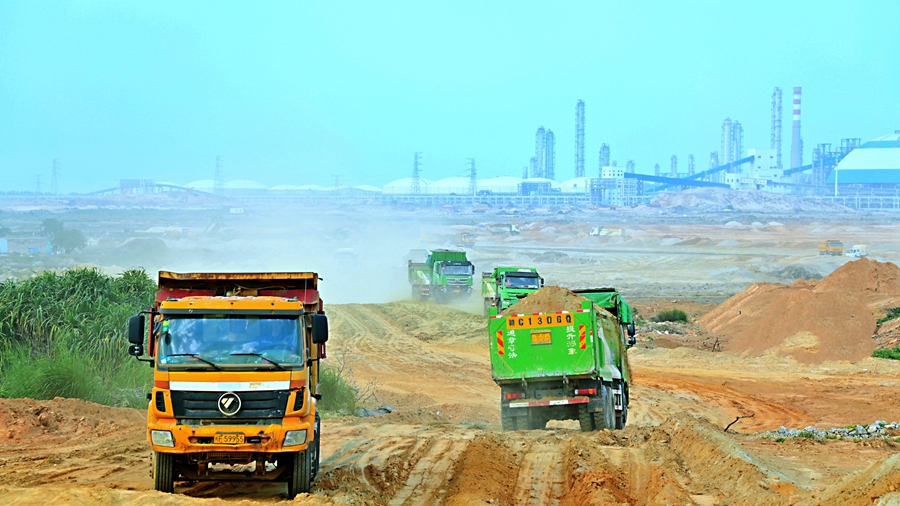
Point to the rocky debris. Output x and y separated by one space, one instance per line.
715 199
368 412
879 429
793 272
547 300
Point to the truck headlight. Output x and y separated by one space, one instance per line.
162 438
295 437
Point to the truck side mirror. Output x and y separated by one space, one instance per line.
319 329
136 329
631 330
542 282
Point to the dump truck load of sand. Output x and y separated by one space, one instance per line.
547 300
812 321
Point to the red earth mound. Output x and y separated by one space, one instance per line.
61 420
547 300
831 319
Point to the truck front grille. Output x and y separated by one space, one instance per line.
254 405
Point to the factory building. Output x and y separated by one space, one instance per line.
875 163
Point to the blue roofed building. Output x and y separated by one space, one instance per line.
876 162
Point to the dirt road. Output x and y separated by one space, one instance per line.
442 444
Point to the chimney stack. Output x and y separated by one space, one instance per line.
796 140
579 139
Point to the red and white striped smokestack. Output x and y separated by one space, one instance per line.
796 141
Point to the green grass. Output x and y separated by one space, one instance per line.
892 313
889 353
807 434
779 440
63 335
671 315
339 394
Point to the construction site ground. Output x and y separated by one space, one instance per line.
442 443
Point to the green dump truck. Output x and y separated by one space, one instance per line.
564 365
443 276
504 286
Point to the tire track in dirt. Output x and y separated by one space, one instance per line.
540 481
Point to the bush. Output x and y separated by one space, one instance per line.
339 394
64 335
889 353
892 313
671 315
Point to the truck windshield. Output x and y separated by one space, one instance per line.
230 340
456 270
521 282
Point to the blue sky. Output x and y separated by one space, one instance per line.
297 92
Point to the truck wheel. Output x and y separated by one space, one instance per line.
299 479
164 472
511 422
608 420
622 416
585 418
536 420
315 448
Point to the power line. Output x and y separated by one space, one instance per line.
416 186
54 188
219 181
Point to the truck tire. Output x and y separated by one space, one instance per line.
317 431
622 416
299 478
537 420
585 418
606 419
164 472
510 422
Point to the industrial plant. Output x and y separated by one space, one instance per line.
851 172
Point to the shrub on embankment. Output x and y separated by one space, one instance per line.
64 335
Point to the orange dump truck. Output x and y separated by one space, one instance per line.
235 362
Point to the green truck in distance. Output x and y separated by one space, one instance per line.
564 365
443 276
504 286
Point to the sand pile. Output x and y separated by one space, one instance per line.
547 300
812 321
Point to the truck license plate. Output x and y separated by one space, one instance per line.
538 320
228 439
540 338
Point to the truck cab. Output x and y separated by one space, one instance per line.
235 362
504 286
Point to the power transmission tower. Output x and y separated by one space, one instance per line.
472 177
38 185
54 188
416 186
219 181
337 181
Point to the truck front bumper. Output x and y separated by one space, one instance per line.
291 435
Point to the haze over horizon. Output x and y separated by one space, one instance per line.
293 93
